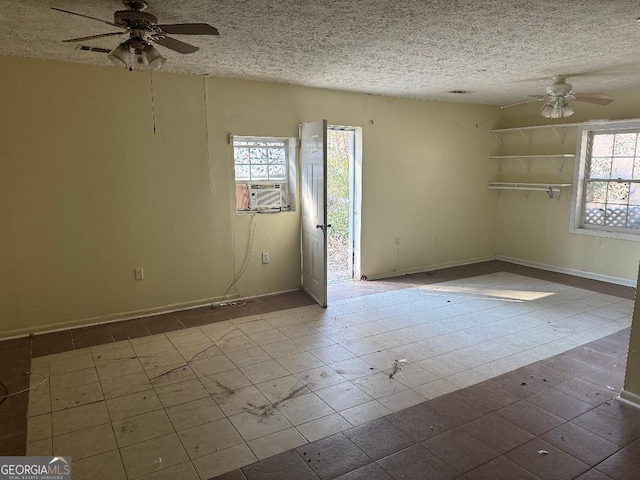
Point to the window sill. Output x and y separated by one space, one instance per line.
606 234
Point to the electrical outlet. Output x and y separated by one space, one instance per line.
265 258
139 273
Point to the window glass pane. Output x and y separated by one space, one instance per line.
241 155
258 155
600 167
594 214
596 192
602 145
625 144
276 155
611 200
259 172
622 168
633 217
242 172
616 216
636 168
618 193
277 172
634 194
260 159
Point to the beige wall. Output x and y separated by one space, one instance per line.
88 191
537 229
425 171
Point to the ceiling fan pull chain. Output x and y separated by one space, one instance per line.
153 102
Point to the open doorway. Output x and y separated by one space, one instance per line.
343 212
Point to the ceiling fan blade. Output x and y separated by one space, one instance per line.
88 48
81 39
85 16
176 45
538 97
189 29
596 98
523 102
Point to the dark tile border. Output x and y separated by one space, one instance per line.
16 354
357 453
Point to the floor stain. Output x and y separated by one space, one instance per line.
222 341
201 352
168 372
397 365
226 391
266 411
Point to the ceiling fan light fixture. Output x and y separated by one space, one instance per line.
547 111
557 108
137 55
153 57
567 111
556 112
140 63
120 55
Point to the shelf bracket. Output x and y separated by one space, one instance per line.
528 137
562 135
526 164
497 163
498 138
559 163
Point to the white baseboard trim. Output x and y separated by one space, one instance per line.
629 398
429 268
569 271
119 317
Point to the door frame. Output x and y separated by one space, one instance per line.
355 198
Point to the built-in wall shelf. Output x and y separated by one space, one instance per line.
553 190
525 160
559 129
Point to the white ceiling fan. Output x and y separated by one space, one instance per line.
558 97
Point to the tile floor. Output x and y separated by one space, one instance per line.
330 388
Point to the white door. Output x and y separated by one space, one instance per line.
313 160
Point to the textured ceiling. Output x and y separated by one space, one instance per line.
501 50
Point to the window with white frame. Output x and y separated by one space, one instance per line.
264 173
607 198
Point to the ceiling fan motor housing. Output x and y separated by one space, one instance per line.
134 19
559 89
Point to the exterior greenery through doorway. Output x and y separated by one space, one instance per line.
339 157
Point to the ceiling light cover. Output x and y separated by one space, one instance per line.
546 111
139 57
154 59
120 55
567 111
557 108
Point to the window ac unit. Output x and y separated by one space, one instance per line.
263 197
